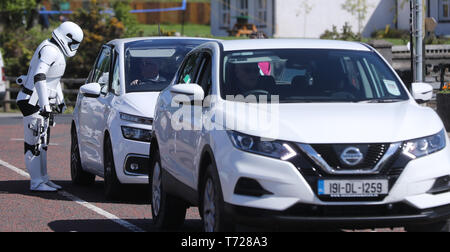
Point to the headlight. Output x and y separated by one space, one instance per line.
136 119
141 135
424 146
274 149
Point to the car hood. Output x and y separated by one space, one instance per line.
140 104
332 122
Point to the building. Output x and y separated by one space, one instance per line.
437 9
311 18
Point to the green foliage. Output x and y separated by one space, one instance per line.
122 10
98 29
358 8
14 13
18 47
391 33
346 34
18 43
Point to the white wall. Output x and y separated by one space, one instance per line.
290 19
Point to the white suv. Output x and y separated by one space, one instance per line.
294 132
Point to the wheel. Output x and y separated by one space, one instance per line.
113 187
168 211
213 213
443 226
78 175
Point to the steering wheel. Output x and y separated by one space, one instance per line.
256 92
343 94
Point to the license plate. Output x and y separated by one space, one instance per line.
353 188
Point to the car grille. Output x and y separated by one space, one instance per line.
373 153
331 153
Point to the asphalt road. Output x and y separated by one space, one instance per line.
75 208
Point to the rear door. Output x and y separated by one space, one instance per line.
179 164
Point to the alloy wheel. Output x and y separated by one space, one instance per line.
209 207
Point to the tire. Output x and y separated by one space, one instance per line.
168 212
113 187
212 204
78 175
443 226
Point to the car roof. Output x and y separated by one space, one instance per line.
128 40
260 44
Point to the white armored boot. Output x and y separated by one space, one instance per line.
33 164
33 155
44 174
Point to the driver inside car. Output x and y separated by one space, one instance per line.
246 77
148 72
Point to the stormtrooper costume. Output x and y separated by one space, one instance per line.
41 95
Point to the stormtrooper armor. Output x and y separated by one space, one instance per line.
41 95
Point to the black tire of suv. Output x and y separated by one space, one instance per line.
113 187
443 226
77 174
222 222
172 210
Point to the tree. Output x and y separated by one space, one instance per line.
305 9
16 13
98 28
358 8
122 10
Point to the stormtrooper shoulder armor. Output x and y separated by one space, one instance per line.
48 55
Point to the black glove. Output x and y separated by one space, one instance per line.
45 112
60 108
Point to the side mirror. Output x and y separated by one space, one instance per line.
91 90
187 93
422 92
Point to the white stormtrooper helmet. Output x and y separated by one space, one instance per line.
69 36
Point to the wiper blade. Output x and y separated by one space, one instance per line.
380 101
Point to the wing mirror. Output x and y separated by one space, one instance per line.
187 93
91 90
422 92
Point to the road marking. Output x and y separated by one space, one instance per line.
81 202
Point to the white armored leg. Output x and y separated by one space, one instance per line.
44 150
33 151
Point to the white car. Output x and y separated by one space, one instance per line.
113 116
2 78
340 140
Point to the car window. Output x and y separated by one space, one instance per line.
310 75
115 83
204 77
189 70
151 65
101 70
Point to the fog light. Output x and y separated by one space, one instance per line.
441 185
134 167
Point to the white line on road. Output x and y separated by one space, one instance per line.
81 202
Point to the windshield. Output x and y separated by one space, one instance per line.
150 65
310 75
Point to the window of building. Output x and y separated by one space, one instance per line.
243 7
444 10
225 14
262 13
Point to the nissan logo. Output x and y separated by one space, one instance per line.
352 156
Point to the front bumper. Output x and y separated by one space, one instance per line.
127 152
391 215
291 189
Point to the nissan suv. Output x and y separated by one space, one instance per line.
290 133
